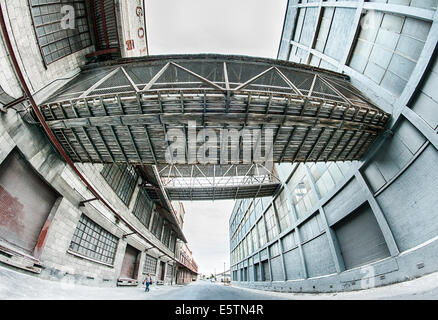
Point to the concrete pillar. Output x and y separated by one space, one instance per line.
280 244
331 236
380 217
294 217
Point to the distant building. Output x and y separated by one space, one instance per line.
187 270
224 277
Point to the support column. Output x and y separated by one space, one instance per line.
331 236
380 217
293 216
270 265
280 245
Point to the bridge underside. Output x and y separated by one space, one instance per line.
122 113
196 182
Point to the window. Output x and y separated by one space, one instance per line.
54 41
271 223
150 265
122 179
262 232
274 250
172 241
327 176
92 241
289 242
169 271
157 225
255 238
166 234
303 197
143 208
283 208
250 244
380 50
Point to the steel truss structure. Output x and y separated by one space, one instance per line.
195 182
122 111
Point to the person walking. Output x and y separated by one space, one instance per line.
147 281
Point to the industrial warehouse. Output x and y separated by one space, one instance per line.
334 223
328 153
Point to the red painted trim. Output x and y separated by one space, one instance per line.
105 29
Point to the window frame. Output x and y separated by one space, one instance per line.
72 47
89 236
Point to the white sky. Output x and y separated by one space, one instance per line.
242 27
246 27
207 231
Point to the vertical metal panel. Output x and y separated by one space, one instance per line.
25 203
277 269
319 260
360 238
266 272
292 260
410 202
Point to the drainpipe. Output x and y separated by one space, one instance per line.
52 137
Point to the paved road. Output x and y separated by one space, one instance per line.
16 285
204 290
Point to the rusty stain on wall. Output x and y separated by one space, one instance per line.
10 212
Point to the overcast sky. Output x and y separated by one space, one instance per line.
247 27
244 27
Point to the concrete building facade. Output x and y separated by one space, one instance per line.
354 225
186 275
51 223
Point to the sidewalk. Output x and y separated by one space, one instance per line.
424 288
16 286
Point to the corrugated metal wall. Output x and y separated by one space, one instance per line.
360 239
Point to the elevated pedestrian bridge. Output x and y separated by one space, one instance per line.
124 111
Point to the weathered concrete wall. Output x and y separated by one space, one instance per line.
52 251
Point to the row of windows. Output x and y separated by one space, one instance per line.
277 218
92 241
143 208
260 272
122 179
55 40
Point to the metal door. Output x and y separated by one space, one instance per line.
25 203
162 270
266 273
360 238
129 265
